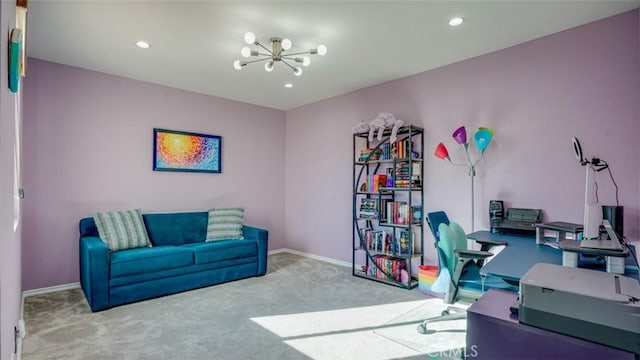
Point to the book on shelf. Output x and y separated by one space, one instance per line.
389 268
377 240
365 154
368 208
404 243
416 214
375 182
403 149
396 212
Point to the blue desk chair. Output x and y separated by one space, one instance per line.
459 267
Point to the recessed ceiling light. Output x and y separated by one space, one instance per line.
142 44
456 21
288 85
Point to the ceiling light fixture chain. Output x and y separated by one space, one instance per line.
277 53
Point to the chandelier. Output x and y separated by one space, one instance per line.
276 54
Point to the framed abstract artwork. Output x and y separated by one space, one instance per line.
185 151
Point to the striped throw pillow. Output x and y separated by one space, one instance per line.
122 229
225 224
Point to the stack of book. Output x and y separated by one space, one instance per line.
406 175
365 154
389 268
369 208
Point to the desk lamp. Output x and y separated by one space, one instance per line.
592 211
482 139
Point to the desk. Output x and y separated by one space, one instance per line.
520 254
494 333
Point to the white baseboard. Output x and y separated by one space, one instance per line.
312 256
40 291
76 285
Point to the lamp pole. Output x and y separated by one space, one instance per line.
472 174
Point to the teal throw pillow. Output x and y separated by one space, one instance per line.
122 229
225 224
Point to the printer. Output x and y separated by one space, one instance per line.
593 305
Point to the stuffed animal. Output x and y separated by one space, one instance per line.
385 121
361 127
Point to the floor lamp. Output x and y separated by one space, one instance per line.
482 139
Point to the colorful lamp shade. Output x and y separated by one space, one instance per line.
486 128
483 138
460 135
441 152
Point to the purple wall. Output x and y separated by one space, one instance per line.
88 145
581 82
10 256
88 148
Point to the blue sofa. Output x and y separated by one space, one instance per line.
179 260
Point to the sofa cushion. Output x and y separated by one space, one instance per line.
225 224
221 250
122 229
146 260
176 228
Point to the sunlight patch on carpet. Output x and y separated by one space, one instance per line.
351 345
380 332
322 322
444 339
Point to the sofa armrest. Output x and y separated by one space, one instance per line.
261 237
94 272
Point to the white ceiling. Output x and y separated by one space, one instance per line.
194 43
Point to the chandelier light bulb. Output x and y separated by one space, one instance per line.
286 44
250 38
237 65
322 50
297 71
246 52
306 61
268 66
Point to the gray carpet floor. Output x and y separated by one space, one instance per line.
208 323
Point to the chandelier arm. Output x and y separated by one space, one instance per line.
257 60
298 53
289 65
264 47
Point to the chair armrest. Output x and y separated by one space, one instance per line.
491 242
261 237
472 254
94 271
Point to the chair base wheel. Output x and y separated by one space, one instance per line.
422 329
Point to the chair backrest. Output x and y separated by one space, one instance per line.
452 237
445 247
459 236
434 219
